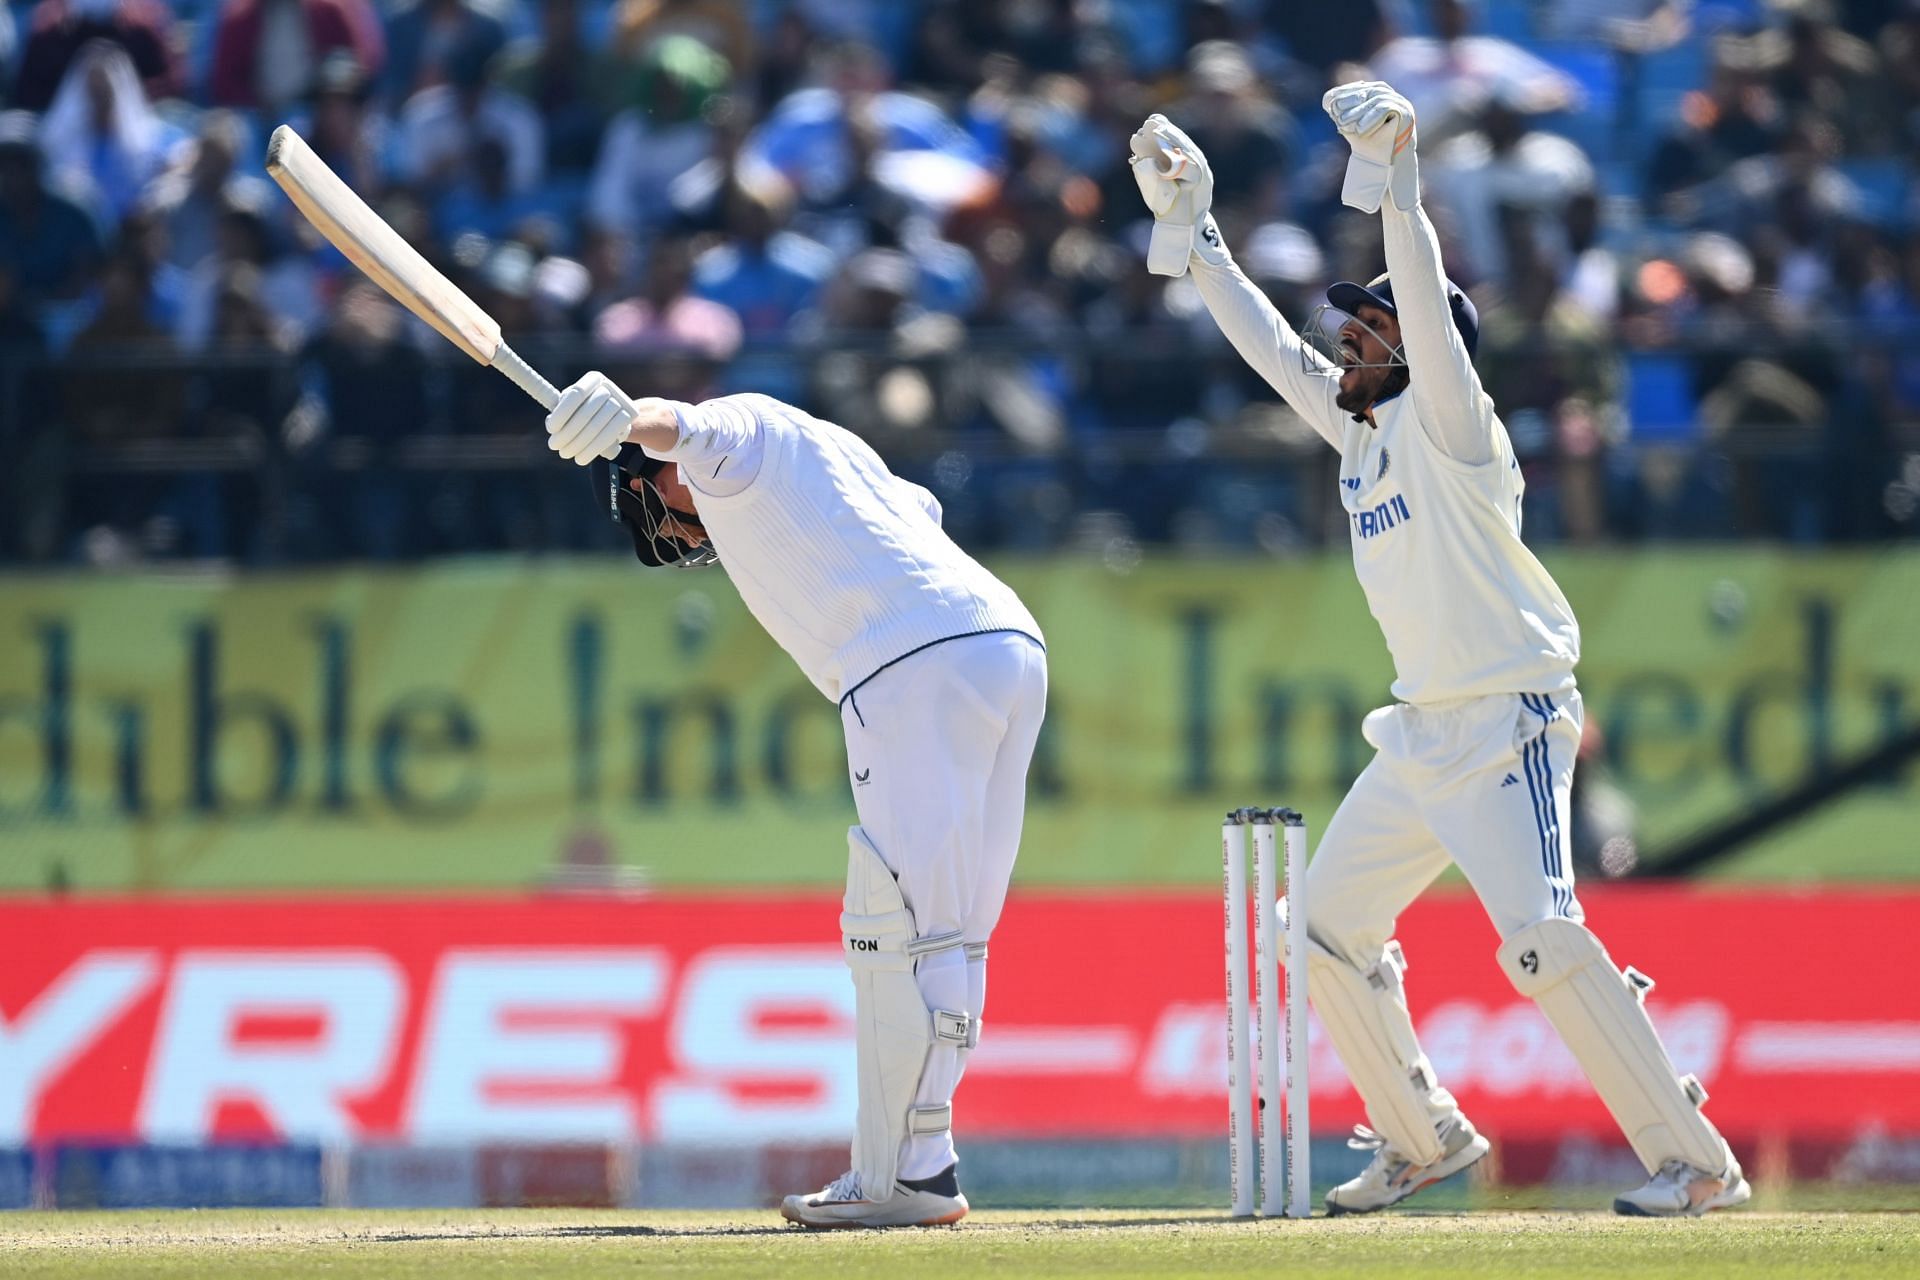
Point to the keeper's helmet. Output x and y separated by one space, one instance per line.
1344 301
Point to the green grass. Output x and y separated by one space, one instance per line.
584 1245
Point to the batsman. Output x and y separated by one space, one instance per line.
1474 759
941 678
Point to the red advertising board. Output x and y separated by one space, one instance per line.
725 1018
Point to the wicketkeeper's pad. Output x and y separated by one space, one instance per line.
1599 1011
1365 1011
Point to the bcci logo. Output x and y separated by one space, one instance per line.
1386 460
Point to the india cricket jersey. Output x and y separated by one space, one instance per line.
1431 488
1465 607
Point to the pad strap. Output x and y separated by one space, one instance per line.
922 1121
956 1027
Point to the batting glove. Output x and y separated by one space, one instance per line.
1177 185
1378 124
591 420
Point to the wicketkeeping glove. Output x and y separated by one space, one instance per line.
1177 185
1378 124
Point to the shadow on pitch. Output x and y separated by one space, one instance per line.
629 1230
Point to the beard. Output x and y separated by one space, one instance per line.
1372 386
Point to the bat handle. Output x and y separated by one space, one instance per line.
524 376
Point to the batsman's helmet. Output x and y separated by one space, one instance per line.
637 503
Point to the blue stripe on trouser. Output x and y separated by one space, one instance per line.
1546 812
1531 769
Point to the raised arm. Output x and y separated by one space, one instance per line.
1383 174
1177 184
1456 411
1304 378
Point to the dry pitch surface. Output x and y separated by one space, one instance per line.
584 1245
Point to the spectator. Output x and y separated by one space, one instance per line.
242 318
1322 36
482 203
108 404
666 316
9 47
19 332
1550 366
1591 277
1747 197
345 129
1502 163
426 37
871 294
48 244
1899 48
267 53
721 25
1630 26
286 282
143 237
189 199
505 286
367 383
1736 116
367 377
665 132
764 273
816 138
59 29
101 135
1243 133
1815 67
441 126
950 45
565 81
1450 76
784 62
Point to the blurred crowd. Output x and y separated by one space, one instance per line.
1692 227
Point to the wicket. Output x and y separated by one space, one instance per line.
1268 1051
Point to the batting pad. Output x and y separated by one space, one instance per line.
893 1028
1598 1011
1365 1011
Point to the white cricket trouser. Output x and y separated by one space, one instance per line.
938 746
1485 783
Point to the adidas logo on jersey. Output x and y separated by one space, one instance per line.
1510 781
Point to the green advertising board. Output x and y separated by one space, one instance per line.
486 724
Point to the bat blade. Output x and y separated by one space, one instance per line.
376 248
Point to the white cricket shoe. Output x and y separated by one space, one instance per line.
926 1202
1681 1191
1392 1177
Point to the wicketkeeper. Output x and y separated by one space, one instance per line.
1474 760
941 677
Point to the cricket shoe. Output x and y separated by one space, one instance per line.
921 1202
1681 1191
1392 1177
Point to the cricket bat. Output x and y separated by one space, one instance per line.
390 262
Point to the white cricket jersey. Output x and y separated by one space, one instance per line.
1465 607
1432 490
844 563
